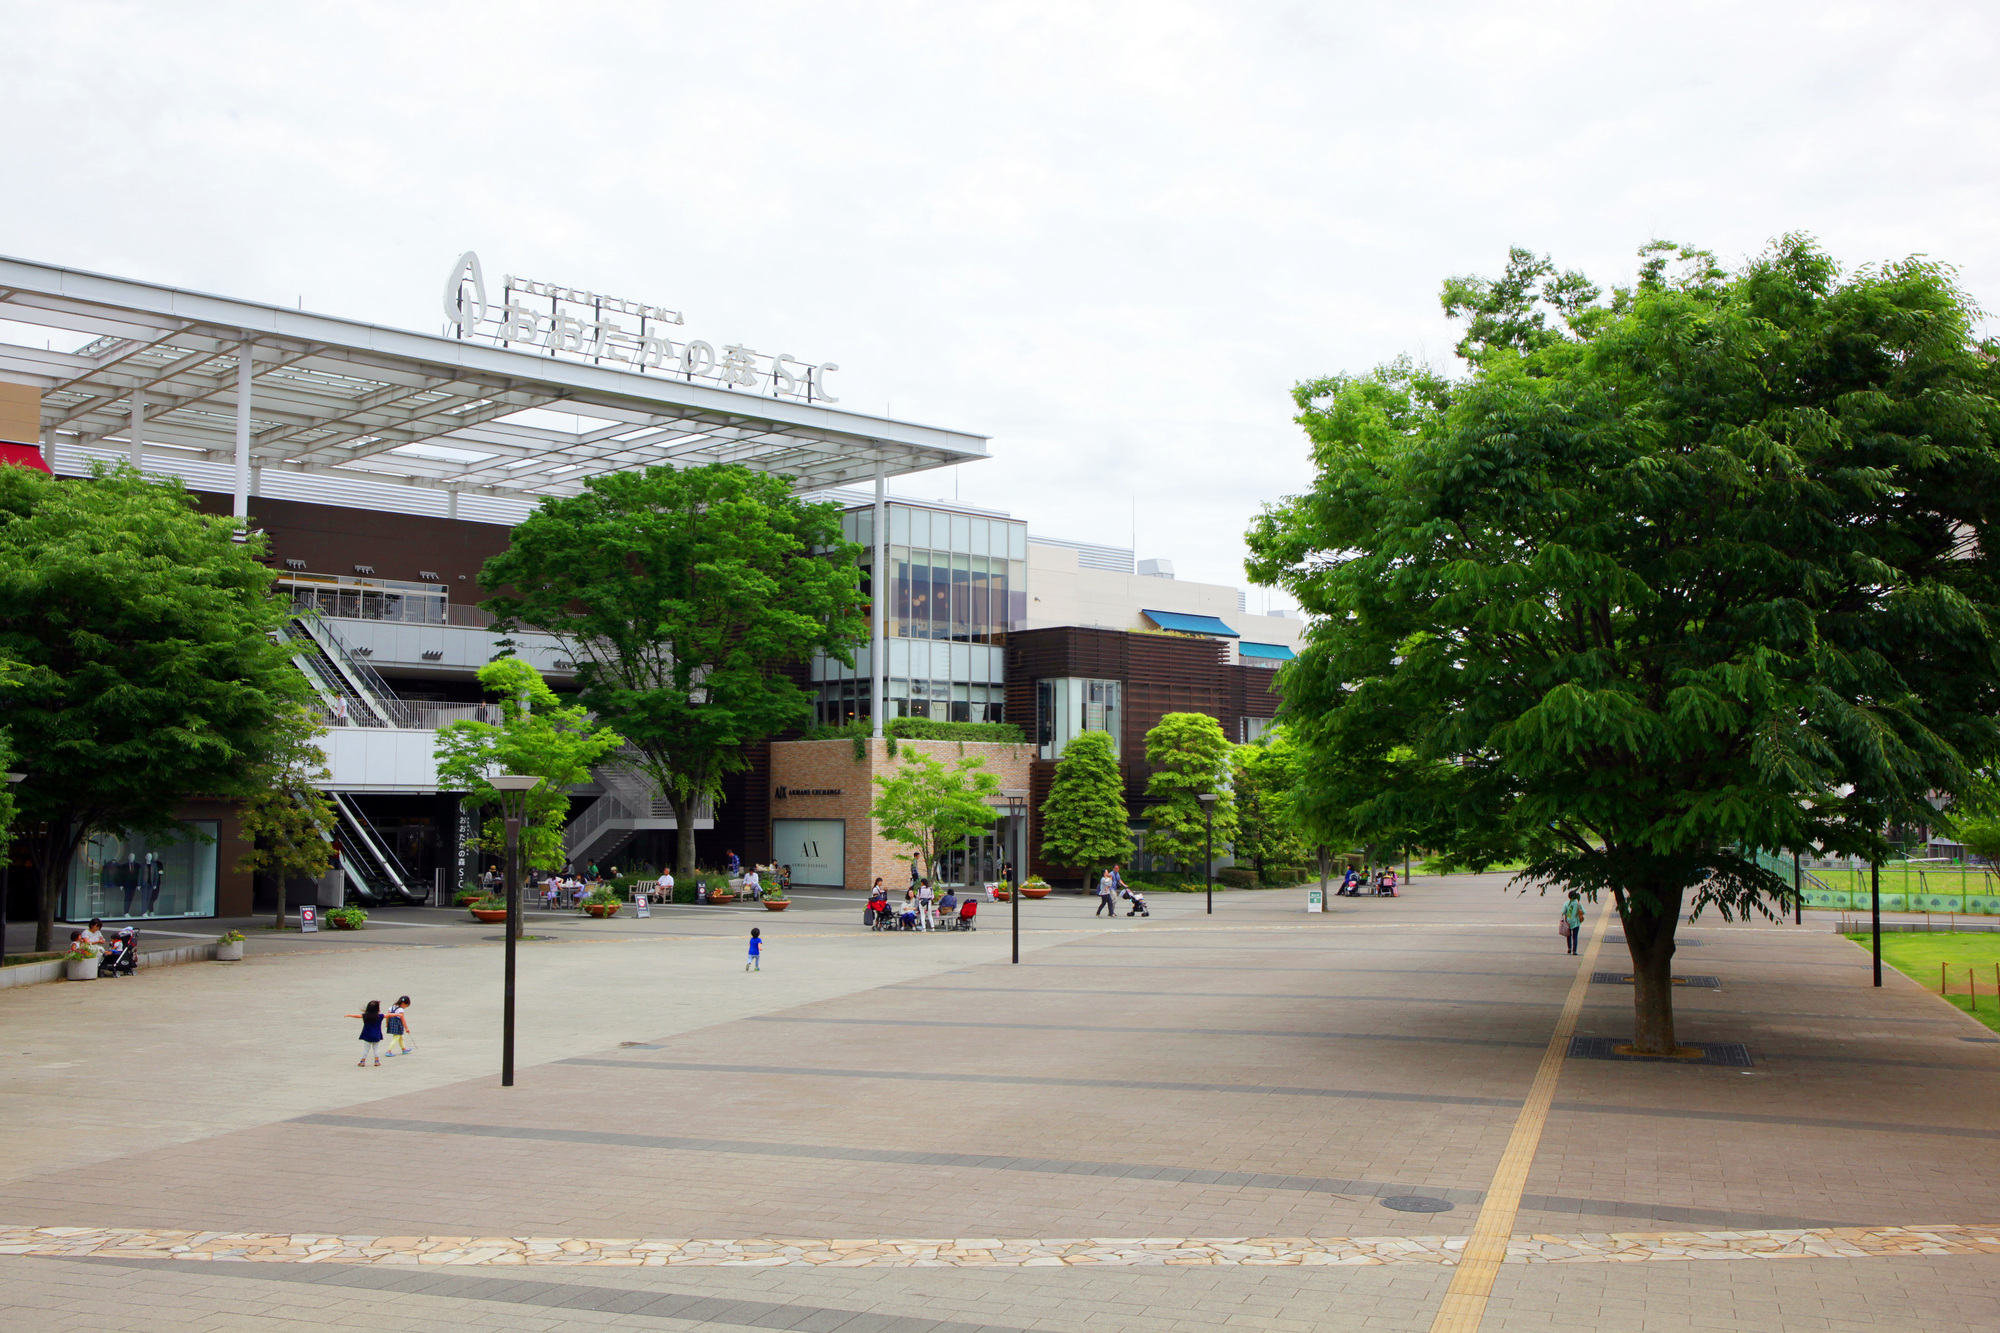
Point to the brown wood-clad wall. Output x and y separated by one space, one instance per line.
1160 674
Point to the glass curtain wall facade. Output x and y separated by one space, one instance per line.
1065 706
956 583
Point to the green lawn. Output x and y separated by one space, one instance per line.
1922 955
1904 879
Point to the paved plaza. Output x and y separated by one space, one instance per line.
1261 1119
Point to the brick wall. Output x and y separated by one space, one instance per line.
831 767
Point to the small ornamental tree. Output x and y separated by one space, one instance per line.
537 734
289 822
1189 756
930 808
1705 565
1267 831
1084 822
150 668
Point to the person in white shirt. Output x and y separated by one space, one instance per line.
926 905
752 889
664 886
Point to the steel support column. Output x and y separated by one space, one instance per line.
135 433
246 372
878 647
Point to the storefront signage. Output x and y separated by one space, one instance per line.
589 326
782 792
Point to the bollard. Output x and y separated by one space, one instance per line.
1941 977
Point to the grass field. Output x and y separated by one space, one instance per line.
1967 966
1900 879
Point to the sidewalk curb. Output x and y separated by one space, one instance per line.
31 974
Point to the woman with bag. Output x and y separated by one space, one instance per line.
1571 925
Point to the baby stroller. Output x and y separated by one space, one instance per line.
878 915
967 910
120 957
1138 901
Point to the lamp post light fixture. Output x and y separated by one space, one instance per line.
513 789
1017 804
6 868
1207 800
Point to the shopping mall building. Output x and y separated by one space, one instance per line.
386 466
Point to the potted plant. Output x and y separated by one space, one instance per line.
602 902
775 899
467 895
346 918
229 949
1035 887
1002 894
721 891
488 909
82 964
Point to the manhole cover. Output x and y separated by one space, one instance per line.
1734 1054
1625 979
1417 1203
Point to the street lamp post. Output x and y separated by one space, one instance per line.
513 789
6 870
1207 800
1017 802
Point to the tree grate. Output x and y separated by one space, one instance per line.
1733 1054
1625 979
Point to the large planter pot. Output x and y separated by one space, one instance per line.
722 897
488 914
601 910
1003 895
335 923
82 969
776 905
1042 892
229 953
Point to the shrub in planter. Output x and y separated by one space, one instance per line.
1237 877
82 965
346 918
1037 887
602 902
229 948
488 908
466 897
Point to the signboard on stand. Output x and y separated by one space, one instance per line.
1315 900
308 920
642 906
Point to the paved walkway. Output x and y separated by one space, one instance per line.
1261 1119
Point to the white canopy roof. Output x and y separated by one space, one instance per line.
347 399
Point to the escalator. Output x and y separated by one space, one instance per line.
375 877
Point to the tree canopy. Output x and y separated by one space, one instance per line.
683 596
537 734
1704 568
1084 821
1189 756
149 670
1265 778
930 808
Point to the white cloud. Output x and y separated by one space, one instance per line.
1110 235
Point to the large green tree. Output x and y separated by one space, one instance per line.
930 808
1189 756
1084 821
151 673
683 597
1702 565
539 734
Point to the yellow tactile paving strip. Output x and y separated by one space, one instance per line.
798 1252
1464 1304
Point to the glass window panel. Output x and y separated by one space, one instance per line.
920 527
940 604
864 528
961 532
981 536
1017 541
961 598
899 525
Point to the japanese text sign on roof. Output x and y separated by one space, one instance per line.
566 321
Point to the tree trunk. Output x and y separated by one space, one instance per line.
51 849
683 834
1322 874
1649 937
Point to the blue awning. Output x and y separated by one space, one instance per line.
1185 624
1273 650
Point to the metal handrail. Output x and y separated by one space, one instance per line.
378 694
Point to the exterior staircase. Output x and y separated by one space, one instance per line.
630 805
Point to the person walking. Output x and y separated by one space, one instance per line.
756 963
397 1025
371 1033
1106 902
1572 921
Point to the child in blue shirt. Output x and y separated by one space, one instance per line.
756 963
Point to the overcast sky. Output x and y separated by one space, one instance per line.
1111 236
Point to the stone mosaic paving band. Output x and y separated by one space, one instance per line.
816 1252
